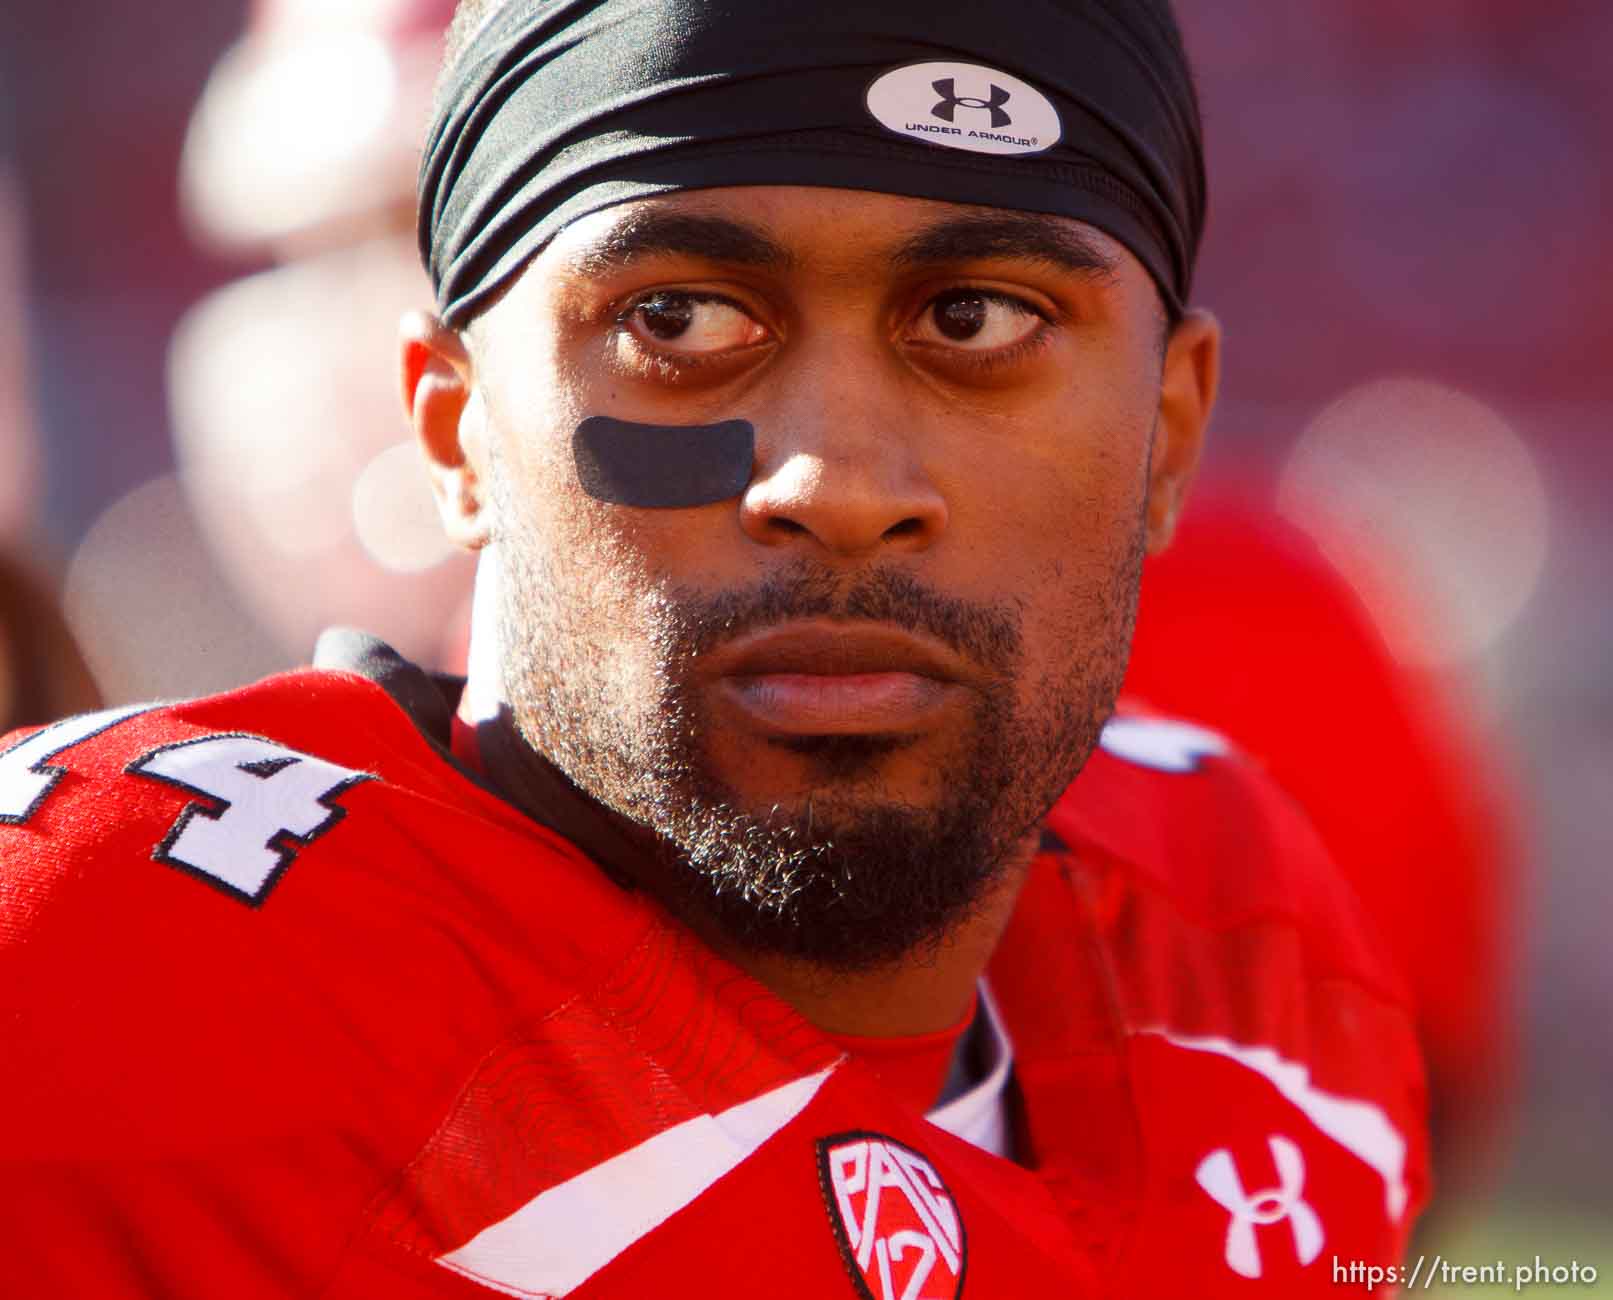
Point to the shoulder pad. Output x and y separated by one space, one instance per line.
1179 808
246 910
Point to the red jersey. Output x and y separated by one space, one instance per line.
290 1005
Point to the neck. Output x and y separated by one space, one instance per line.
926 992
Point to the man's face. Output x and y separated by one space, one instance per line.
842 700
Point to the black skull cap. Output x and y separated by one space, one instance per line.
560 108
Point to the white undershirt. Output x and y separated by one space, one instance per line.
979 1115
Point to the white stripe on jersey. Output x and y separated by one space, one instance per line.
555 1243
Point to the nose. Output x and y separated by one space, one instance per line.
840 467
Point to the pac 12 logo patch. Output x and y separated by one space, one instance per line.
898 1228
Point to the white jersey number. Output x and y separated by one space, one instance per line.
26 774
259 803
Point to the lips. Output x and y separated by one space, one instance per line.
823 678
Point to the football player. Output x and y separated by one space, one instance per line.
781 903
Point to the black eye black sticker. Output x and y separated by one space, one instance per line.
663 467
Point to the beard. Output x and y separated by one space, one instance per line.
847 875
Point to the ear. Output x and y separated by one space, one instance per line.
1188 383
438 385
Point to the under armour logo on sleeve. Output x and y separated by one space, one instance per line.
1217 1174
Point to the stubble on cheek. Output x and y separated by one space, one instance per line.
599 640
577 671
598 655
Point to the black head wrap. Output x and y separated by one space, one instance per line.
558 108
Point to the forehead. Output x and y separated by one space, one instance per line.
794 228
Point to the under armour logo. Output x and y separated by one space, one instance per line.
1218 1175
950 99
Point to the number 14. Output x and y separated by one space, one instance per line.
257 803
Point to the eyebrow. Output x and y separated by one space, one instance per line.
974 237
680 234
1019 235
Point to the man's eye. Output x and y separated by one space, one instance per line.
691 323
975 320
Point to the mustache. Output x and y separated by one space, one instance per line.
988 634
